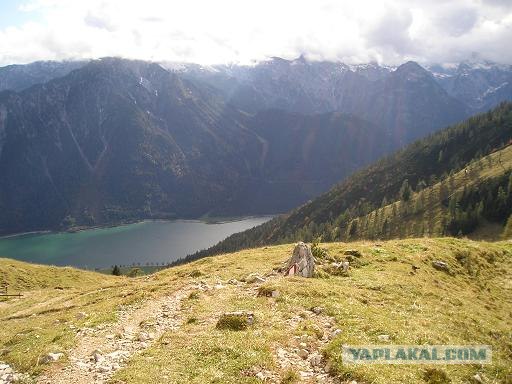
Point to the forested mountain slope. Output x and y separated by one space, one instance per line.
446 170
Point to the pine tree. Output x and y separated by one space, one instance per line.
507 232
405 191
116 271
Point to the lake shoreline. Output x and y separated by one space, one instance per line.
143 242
81 228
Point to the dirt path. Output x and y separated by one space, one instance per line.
101 351
301 354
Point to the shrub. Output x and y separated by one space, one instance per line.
290 377
134 272
436 376
235 321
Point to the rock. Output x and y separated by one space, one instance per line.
440 265
254 278
353 252
233 281
261 376
104 369
477 379
81 315
317 310
118 355
235 321
274 294
302 262
51 358
315 359
336 332
143 336
383 337
97 356
303 353
110 337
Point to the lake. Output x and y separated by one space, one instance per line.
144 242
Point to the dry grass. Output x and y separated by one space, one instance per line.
382 295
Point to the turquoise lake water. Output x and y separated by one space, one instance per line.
145 242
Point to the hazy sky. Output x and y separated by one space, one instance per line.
219 31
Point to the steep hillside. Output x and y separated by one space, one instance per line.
162 327
422 164
121 140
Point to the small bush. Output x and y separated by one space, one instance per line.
290 377
317 251
309 328
134 272
266 290
436 376
234 321
195 273
193 295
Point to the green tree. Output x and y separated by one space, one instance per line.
405 191
507 232
116 271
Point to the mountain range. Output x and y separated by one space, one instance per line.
110 140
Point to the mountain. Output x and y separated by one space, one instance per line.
163 327
19 77
407 101
480 86
120 140
113 140
454 182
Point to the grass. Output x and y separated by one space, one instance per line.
381 294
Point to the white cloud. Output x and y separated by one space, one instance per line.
205 31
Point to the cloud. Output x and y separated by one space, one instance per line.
203 31
390 34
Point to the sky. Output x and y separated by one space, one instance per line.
246 31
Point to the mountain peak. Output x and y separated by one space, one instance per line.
412 71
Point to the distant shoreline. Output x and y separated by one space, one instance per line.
71 230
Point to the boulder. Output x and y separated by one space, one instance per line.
254 278
440 265
317 310
51 357
383 337
303 353
302 262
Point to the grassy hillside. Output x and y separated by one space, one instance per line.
381 295
470 154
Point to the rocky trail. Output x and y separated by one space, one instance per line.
302 354
103 350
